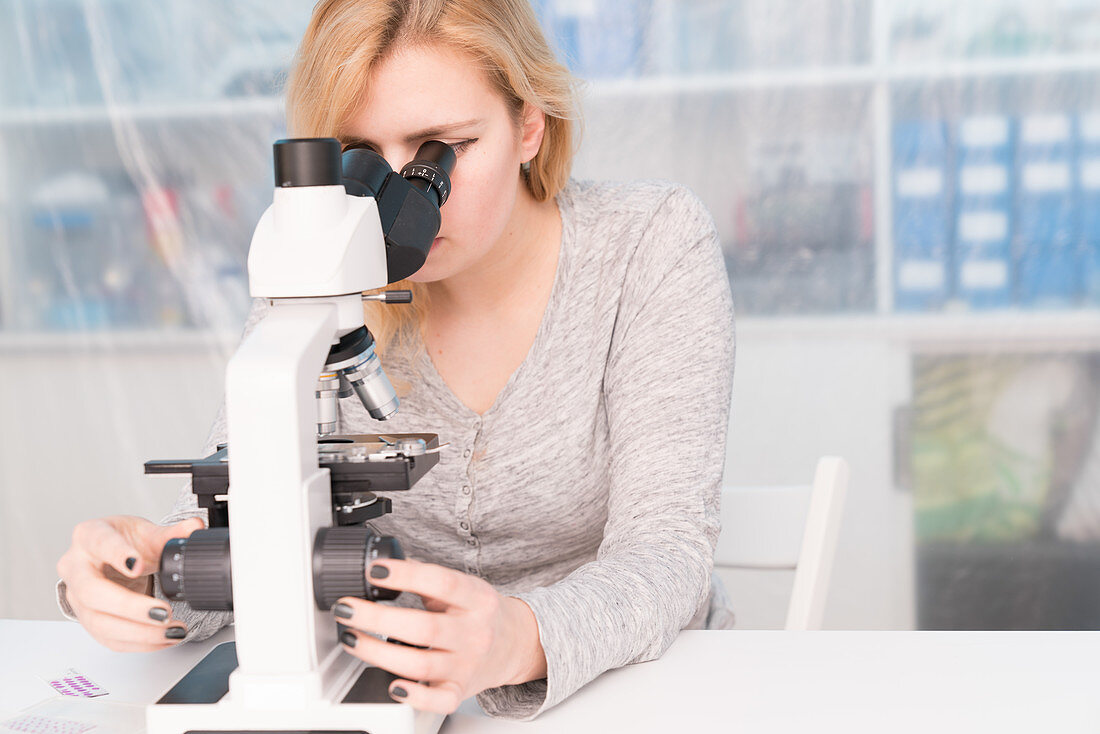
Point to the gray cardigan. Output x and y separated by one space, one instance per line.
590 489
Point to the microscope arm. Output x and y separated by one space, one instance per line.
279 498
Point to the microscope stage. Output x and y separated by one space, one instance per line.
359 465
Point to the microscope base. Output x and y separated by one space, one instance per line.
198 703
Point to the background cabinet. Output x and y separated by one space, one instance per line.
905 290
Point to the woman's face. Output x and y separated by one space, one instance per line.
421 93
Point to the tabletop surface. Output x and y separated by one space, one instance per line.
707 681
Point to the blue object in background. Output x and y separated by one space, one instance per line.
983 219
1048 255
562 30
1088 177
922 216
597 40
611 43
705 36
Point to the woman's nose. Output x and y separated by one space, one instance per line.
397 157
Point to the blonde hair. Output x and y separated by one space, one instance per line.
347 39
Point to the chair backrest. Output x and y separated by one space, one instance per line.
788 528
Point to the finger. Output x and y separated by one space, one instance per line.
181 529
442 698
408 662
152 544
429 580
104 544
134 647
434 605
81 613
101 595
412 626
122 646
116 632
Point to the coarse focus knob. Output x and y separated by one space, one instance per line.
197 570
341 556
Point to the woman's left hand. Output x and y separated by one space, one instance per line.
478 639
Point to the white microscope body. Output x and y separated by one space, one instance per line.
314 252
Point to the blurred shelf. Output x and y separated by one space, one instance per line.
837 76
1073 331
702 83
191 340
972 68
843 76
201 110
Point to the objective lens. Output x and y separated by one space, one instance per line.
330 387
372 386
354 362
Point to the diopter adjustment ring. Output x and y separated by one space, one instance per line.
435 176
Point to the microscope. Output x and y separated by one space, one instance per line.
289 502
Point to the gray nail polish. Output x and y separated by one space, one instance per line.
175 633
399 692
379 572
343 611
158 613
348 639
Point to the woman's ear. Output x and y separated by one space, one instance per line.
532 128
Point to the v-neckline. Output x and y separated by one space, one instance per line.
441 386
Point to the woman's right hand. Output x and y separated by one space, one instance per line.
109 584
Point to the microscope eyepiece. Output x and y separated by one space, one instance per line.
307 162
410 221
430 172
365 171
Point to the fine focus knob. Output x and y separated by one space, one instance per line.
341 556
307 162
197 570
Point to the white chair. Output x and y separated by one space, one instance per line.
788 528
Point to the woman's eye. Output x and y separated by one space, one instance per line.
460 147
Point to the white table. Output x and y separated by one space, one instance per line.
735 681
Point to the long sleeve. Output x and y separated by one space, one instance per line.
667 388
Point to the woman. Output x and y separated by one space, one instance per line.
573 342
